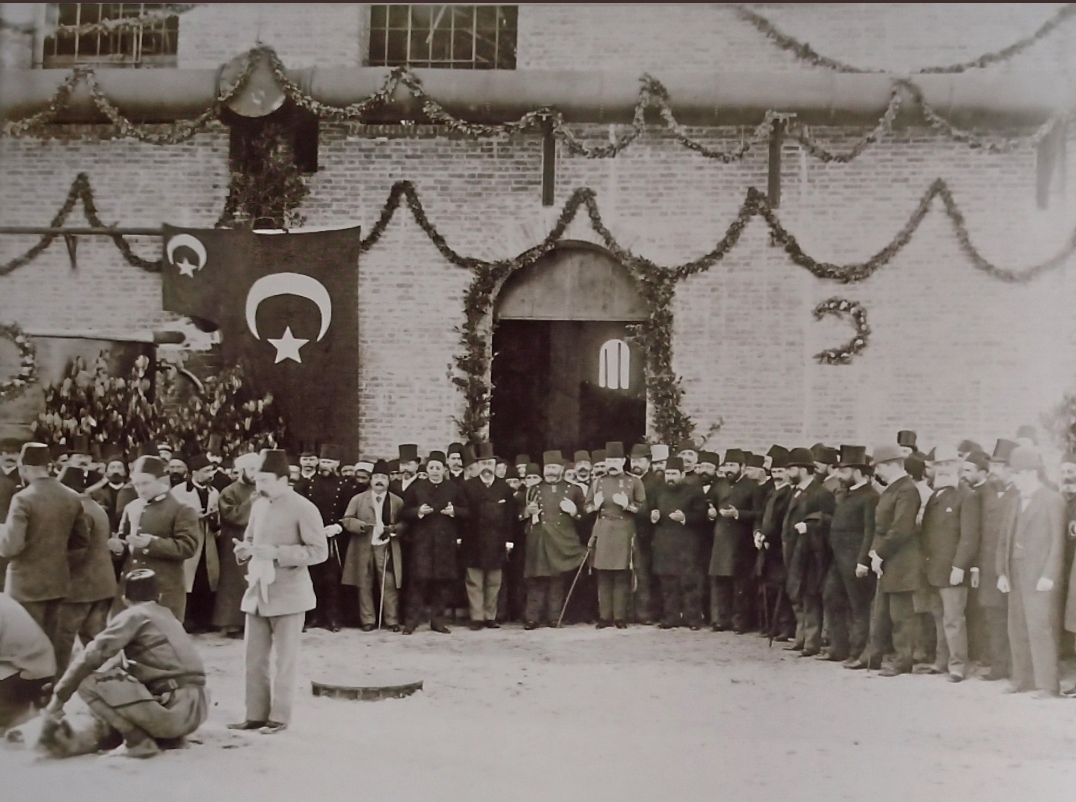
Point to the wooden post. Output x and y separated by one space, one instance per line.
773 185
549 166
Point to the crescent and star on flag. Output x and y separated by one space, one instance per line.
287 345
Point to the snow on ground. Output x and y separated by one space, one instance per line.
641 714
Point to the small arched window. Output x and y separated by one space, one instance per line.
614 365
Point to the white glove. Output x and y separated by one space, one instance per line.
861 571
332 530
620 500
655 516
801 527
1044 585
1003 584
975 577
956 576
876 564
568 506
599 499
758 540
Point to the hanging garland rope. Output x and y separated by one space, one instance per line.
805 52
856 311
126 24
652 94
16 385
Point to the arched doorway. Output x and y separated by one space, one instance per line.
565 373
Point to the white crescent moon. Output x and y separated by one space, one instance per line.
191 242
288 284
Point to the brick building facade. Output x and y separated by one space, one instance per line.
954 353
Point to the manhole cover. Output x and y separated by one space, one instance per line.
365 693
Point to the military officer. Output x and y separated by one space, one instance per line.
330 494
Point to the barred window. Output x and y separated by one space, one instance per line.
446 37
102 33
614 365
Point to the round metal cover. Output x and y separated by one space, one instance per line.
261 95
365 693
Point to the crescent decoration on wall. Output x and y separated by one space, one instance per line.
192 242
296 284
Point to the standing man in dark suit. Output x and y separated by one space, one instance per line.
769 563
806 530
115 492
44 522
491 505
732 556
677 509
1030 565
896 556
847 594
329 492
950 532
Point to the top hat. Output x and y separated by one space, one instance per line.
735 455
468 455
485 451
331 452
214 446
853 457
274 460
409 452
905 438
436 456
887 452
800 458
307 448
552 457
36 454
1003 450
80 444
780 459
824 454
659 452
582 456
614 450
640 451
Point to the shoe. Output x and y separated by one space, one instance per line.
272 727
333 627
530 626
809 653
783 638
832 658
955 678
395 628
603 625
367 627
409 630
994 676
856 664
718 628
247 725
474 626
927 669
439 627
694 627
620 624
895 671
794 647
1045 695
667 625
492 625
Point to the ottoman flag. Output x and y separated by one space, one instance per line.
286 305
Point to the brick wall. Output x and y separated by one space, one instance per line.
953 353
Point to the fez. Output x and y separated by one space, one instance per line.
331 452
659 452
756 461
674 464
74 478
273 460
10 445
614 450
485 451
35 454
1025 458
522 459
800 458
408 452
686 445
147 450
141 586
599 455
456 448
112 453
1002 450
247 461
436 456
905 438
552 457
582 456
532 469
887 453
640 451
980 459
380 467
214 446
198 461
1028 433
154 466
853 457
306 449
709 458
367 465
735 455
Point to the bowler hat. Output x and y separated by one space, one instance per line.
905 438
980 459
332 452
35 454
967 446
735 455
381 467
485 451
436 456
141 586
800 457
581 456
552 457
409 452
853 457
1025 458
614 450
1003 450
659 452
274 460
674 464
887 452
154 466
640 451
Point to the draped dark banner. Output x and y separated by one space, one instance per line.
287 309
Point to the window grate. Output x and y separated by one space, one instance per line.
151 45
443 37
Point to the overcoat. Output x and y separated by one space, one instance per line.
359 520
998 504
614 528
950 531
675 545
92 576
208 529
174 526
430 541
553 545
491 515
807 555
769 562
896 537
234 505
733 537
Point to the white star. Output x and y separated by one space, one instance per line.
287 347
186 268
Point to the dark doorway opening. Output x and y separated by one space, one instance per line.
554 389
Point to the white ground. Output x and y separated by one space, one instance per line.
577 714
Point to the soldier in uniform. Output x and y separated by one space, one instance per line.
44 523
550 511
430 509
677 509
616 498
158 532
330 494
157 694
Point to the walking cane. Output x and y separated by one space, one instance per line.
568 597
776 607
384 574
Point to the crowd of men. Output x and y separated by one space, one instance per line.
937 560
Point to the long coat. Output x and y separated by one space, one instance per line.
896 537
492 512
997 505
1038 542
92 575
553 545
614 529
675 545
770 562
950 532
44 522
359 519
430 541
208 528
733 537
174 526
234 506
807 555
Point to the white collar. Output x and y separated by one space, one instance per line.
857 486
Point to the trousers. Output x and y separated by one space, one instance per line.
809 623
174 714
614 590
483 590
47 616
997 634
722 593
434 592
681 597
846 602
18 697
642 599
1034 632
82 620
270 699
545 598
326 579
372 573
948 606
897 614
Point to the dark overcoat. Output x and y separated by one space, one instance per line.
896 537
491 515
809 557
430 541
950 531
733 537
675 545
997 503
